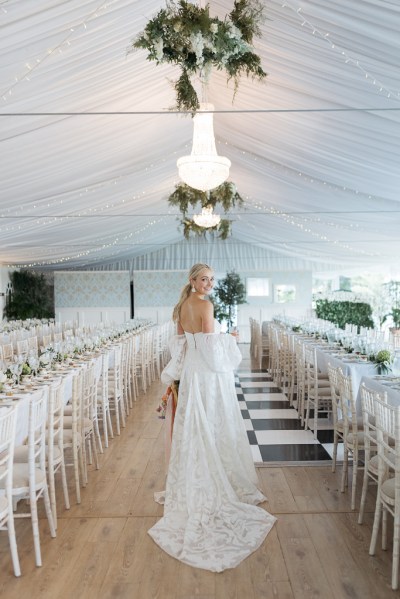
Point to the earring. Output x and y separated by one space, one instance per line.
193 289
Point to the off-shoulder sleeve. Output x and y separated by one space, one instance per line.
220 352
172 371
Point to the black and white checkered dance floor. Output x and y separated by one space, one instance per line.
273 427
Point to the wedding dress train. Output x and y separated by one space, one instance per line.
210 520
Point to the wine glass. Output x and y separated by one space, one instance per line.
33 364
396 363
16 369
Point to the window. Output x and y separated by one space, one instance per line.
285 293
257 287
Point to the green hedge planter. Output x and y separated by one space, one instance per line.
342 313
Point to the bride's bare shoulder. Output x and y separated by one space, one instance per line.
206 307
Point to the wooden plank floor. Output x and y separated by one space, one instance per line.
103 551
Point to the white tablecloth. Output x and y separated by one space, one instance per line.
23 398
393 395
356 369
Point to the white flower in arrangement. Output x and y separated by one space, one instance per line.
234 32
182 29
177 26
3 377
197 44
209 44
158 48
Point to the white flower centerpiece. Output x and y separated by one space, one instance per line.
186 35
383 361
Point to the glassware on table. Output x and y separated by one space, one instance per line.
396 363
16 370
33 362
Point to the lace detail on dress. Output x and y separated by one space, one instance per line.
220 352
210 520
172 371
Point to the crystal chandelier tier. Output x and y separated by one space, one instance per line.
207 218
203 169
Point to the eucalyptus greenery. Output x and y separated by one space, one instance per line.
223 228
185 197
186 35
342 313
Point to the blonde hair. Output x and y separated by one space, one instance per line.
187 289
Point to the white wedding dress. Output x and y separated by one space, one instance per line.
210 516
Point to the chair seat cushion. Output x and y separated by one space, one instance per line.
322 392
87 423
374 461
21 478
68 437
68 410
388 489
21 454
340 424
358 438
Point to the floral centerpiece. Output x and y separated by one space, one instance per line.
186 35
3 379
382 361
226 195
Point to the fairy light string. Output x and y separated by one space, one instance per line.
35 62
326 37
300 222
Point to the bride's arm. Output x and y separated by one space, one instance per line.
220 352
172 371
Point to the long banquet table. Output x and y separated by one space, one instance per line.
356 367
350 364
360 370
22 395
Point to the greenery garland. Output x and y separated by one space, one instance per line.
185 35
342 313
185 196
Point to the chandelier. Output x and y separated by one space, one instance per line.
207 218
203 169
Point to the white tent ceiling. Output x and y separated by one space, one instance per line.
89 146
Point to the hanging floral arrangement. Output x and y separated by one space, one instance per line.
185 35
225 195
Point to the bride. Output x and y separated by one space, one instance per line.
210 516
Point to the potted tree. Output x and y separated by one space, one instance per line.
228 294
392 292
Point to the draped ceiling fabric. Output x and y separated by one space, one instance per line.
315 148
